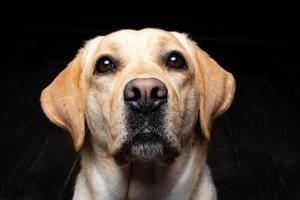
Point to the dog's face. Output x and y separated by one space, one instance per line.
141 94
138 94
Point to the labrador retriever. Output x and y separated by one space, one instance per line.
139 106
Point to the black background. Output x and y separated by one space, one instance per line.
254 149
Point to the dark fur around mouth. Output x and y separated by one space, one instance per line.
146 139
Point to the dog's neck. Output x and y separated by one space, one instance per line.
104 179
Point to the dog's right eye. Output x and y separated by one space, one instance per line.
105 64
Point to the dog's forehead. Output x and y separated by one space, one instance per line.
134 42
145 40
143 36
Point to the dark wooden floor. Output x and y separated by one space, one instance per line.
254 152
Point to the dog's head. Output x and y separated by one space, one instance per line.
141 94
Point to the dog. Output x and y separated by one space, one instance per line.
139 106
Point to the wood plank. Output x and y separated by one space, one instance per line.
288 95
29 136
20 113
273 129
259 178
222 161
18 161
48 173
70 181
25 129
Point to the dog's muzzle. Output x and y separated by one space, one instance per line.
146 101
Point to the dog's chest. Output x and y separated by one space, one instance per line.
155 182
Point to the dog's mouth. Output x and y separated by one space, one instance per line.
147 139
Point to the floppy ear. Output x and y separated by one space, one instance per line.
217 88
62 101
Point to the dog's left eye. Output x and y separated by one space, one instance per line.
176 61
104 64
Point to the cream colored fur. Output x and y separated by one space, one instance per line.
201 93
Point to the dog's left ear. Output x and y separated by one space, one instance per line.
62 101
216 87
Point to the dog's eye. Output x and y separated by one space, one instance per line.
104 64
176 61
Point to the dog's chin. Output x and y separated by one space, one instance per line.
147 149
146 152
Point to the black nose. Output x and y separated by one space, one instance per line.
145 93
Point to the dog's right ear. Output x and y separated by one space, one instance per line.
63 102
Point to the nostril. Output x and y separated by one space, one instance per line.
132 94
137 93
159 93
154 93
